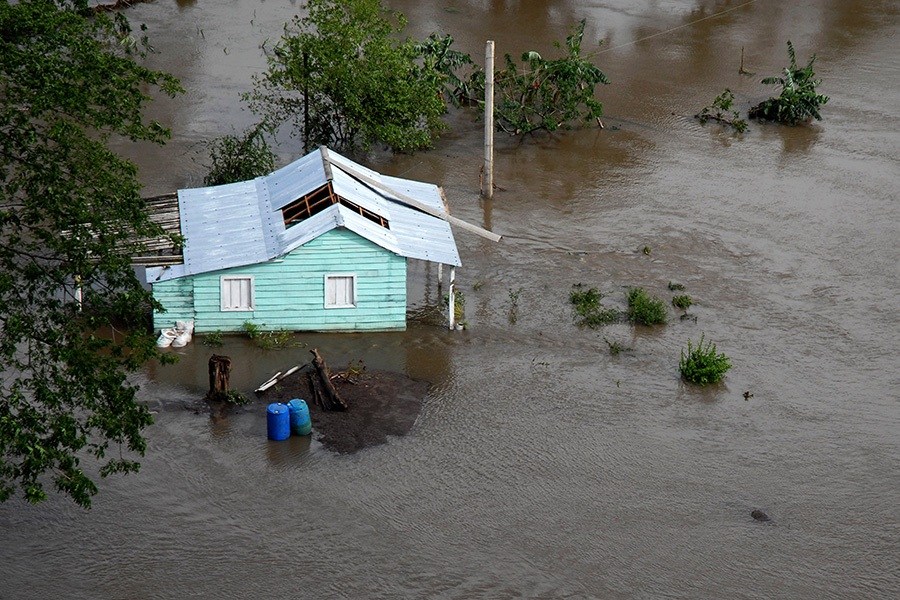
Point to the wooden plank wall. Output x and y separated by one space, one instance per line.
164 211
289 294
177 295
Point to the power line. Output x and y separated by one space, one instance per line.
667 31
718 14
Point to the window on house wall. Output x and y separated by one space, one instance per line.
238 292
340 291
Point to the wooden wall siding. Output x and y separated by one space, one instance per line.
177 295
289 294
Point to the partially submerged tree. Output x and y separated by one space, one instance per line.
70 215
343 79
240 158
548 94
798 100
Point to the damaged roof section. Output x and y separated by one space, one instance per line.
254 221
162 210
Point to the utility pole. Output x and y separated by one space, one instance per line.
487 188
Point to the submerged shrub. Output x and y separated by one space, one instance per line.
615 347
644 308
721 110
235 397
240 158
514 305
213 339
585 300
459 305
683 302
588 309
700 364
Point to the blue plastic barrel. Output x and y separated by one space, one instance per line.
278 421
300 421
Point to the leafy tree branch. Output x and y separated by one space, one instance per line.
70 218
721 110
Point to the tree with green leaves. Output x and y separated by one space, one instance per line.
342 78
548 94
798 100
240 158
72 313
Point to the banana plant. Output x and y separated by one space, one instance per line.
549 94
798 100
445 64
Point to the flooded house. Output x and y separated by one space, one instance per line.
321 244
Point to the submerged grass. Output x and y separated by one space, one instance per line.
269 340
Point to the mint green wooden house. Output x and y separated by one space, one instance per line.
319 245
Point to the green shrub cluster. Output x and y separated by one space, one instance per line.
701 364
798 100
644 308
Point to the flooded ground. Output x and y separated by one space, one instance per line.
542 465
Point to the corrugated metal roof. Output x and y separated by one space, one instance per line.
217 221
241 223
295 180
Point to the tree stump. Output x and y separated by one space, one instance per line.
326 396
219 370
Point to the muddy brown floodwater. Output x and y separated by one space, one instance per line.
543 466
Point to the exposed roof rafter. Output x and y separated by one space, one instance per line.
407 200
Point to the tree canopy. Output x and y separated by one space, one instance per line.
240 158
343 78
72 313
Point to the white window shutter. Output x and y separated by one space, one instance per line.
340 291
237 293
